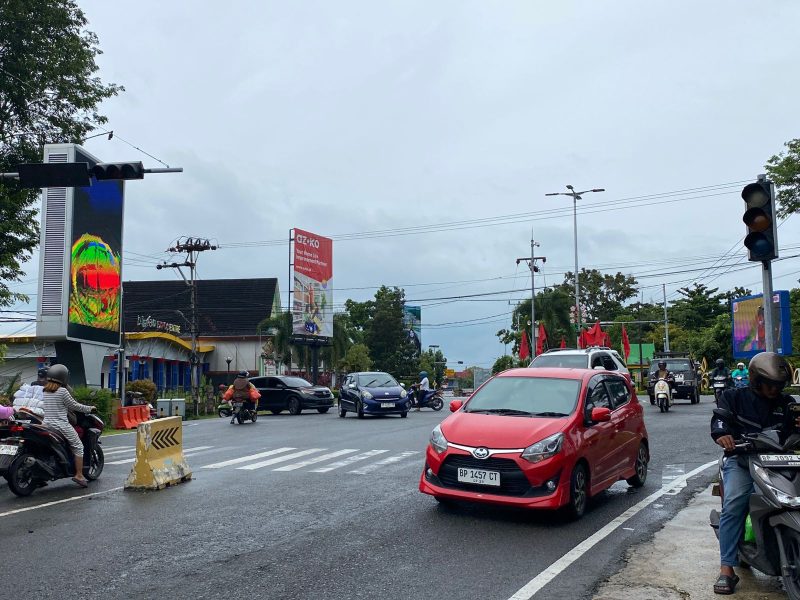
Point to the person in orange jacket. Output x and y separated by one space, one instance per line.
243 391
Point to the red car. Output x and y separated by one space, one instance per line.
539 438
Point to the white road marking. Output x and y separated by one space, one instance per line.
186 452
530 589
284 458
46 504
241 459
386 461
316 459
670 474
348 461
117 451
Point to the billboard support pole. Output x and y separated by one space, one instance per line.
769 332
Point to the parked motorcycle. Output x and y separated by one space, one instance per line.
242 414
772 540
432 399
31 454
663 395
719 384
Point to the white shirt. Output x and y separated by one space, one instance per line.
424 384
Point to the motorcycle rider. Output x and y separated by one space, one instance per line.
721 370
57 402
763 404
740 371
423 387
243 391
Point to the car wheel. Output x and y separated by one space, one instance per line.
322 411
360 409
578 492
403 415
294 406
640 467
342 412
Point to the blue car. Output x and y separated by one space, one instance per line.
373 393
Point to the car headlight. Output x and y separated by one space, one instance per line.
438 441
403 393
782 497
366 395
549 446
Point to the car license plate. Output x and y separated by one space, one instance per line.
7 449
387 404
780 460
479 476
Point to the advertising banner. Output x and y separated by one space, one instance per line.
95 268
749 333
312 300
412 325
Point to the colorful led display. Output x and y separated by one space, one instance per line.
749 330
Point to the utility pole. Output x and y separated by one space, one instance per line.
666 319
531 262
192 247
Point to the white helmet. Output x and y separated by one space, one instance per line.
740 366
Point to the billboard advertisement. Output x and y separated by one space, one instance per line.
95 268
312 299
412 325
749 333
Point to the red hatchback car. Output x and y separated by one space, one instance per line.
539 438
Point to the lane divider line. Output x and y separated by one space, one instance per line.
46 504
530 589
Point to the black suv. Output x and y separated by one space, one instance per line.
687 379
279 393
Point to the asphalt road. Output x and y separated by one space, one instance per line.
329 509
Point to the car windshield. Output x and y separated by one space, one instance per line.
673 365
526 396
558 359
377 380
296 382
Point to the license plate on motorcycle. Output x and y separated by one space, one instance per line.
387 404
780 460
237 405
8 449
679 377
479 476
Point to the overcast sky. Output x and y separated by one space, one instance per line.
347 117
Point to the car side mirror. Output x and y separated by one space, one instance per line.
403 385
600 415
456 405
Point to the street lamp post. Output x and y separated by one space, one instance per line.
575 197
228 360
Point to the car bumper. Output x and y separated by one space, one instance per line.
522 484
317 402
375 408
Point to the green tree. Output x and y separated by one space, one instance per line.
502 364
279 327
384 335
698 308
784 170
602 294
49 92
357 358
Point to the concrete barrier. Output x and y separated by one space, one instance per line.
159 456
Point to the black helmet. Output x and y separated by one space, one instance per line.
244 374
58 374
771 368
662 364
720 363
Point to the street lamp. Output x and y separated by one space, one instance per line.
575 197
228 360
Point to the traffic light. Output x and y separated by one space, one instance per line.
126 170
761 240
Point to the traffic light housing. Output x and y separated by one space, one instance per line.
761 239
125 170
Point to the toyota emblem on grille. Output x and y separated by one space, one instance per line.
481 453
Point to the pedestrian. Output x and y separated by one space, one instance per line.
762 404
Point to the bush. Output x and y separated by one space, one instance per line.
102 399
146 387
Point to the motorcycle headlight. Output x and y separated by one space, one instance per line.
438 441
782 497
366 395
403 394
548 447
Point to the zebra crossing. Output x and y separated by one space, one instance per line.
288 459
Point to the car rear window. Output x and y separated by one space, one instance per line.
673 365
533 395
296 382
557 359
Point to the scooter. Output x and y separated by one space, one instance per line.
719 384
740 381
31 454
225 409
431 399
771 542
242 414
663 394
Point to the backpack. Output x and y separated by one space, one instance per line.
241 390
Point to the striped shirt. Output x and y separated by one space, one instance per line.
56 405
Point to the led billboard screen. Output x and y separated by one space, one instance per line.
312 302
412 325
749 331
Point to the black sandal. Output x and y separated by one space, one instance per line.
726 584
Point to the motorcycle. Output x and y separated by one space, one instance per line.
31 454
242 414
719 384
433 399
771 542
225 409
663 395
740 381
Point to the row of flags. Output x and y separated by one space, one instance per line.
594 336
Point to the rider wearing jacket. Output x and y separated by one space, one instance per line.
761 405
740 371
242 391
721 370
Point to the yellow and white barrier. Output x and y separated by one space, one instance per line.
159 456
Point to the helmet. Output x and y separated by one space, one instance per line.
662 364
244 374
740 365
222 386
769 367
58 374
721 363
42 373
423 374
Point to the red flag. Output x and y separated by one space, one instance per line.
626 343
563 342
524 352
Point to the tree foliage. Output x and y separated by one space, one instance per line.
503 364
602 294
357 358
49 93
784 170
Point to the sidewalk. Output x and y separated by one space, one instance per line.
681 563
